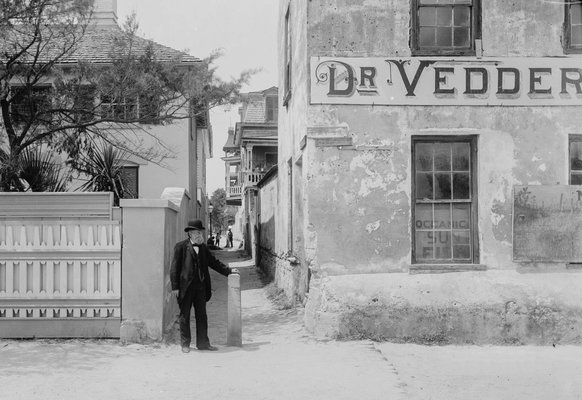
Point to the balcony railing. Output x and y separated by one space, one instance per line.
234 191
252 178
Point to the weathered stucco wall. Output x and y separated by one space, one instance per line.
356 188
344 27
267 209
292 236
522 28
381 27
368 184
500 307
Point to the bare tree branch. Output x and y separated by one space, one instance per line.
52 94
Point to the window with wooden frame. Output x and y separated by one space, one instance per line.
149 109
575 150
120 109
287 61
200 111
130 181
445 27
572 39
444 211
271 108
84 104
28 104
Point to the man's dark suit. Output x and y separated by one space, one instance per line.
189 274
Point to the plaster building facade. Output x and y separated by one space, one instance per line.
250 151
429 157
189 140
266 257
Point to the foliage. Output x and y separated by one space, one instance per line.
50 96
222 215
41 172
103 164
37 171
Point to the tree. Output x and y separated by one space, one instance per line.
222 215
53 96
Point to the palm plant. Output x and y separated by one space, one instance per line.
41 173
103 166
9 180
35 170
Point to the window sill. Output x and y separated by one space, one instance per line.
444 268
443 53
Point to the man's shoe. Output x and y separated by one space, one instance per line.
208 348
185 349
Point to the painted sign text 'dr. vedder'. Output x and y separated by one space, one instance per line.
437 81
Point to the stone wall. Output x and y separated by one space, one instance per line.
285 273
501 307
267 263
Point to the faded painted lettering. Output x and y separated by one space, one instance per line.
436 81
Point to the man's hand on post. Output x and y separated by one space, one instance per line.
175 293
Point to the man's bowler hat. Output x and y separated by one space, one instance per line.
194 225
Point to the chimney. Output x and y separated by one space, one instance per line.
105 12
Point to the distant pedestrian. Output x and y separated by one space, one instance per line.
229 237
217 243
191 284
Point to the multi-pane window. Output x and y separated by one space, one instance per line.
201 120
444 204
445 26
84 104
119 109
130 181
271 109
200 114
144 108
149 109
28 104
573 26
575 159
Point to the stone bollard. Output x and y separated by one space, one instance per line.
234 327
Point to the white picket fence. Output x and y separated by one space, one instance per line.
59 270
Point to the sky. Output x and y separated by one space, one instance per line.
245 31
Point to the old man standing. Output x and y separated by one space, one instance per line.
190 280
